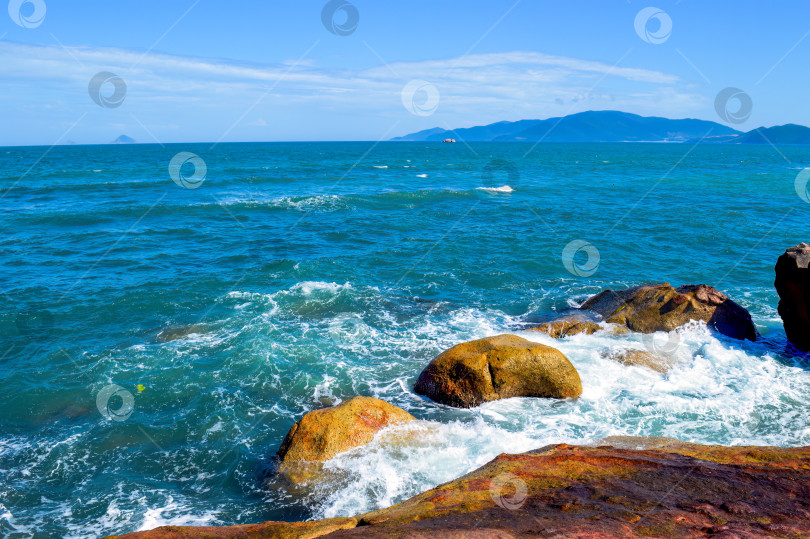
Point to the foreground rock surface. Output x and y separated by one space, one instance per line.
499 367
661 307
793 286
642 488
322 434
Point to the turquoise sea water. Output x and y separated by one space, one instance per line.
156 342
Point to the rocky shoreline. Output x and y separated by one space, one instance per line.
621 487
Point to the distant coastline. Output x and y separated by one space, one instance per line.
617 127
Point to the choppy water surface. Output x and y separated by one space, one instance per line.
298 275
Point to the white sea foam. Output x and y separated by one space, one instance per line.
718 391
421 175
173 514
501 189
332 340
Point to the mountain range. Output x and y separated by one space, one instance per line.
614 126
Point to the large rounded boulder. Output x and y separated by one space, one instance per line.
661 307
499 367
793 286
322 434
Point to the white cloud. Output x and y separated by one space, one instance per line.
474 89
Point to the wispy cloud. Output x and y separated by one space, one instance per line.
181 90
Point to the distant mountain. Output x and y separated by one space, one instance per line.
780 134
591 126
124 139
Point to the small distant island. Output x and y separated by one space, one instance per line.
614 126
124 139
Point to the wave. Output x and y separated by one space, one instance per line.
279 353
501 189
716 394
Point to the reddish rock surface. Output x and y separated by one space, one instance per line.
636 487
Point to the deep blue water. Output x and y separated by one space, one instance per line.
300 274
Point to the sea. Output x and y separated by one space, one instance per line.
167 313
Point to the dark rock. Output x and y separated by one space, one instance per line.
793 286
660 307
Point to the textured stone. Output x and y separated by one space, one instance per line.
660 307
322 434
793 286
565 327
499 367
628 487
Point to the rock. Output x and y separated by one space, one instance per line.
793 286
322 434
660 307
499 367
669 489
640 358
180 332
276 530
565 327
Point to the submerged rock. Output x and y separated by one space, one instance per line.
499 367
180 332
641 358
565 327
793 286
660 307
322 434
659 488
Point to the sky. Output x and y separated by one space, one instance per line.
87 71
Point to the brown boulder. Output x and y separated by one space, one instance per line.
499 367
660 307
322 434
793 286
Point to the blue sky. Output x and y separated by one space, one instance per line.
270 70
